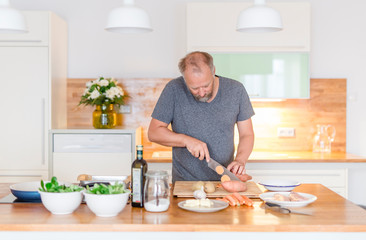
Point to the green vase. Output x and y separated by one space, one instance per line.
104 116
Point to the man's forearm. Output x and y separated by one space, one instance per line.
245 148
166 137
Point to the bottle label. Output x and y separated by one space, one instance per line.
136 185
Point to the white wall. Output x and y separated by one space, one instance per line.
338 46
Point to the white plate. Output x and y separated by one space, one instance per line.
217 206
279 185
268 197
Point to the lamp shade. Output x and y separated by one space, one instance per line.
128 19
259 18
11 20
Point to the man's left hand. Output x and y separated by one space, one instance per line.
238 169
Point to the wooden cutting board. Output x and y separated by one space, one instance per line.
184 189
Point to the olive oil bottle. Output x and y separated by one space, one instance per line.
138 171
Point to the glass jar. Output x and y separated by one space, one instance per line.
104 116
157 191
323 139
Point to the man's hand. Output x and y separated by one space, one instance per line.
197 148
238 169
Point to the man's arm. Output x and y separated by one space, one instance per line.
160 133
245 147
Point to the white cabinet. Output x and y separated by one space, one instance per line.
332 175
211 27
94 152
33 73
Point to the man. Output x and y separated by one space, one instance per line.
203 109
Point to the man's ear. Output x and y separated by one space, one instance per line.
214 70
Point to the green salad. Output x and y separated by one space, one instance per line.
55 187
106 189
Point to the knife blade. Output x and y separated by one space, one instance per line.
278 208
213 164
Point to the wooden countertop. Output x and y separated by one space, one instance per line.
331 213
282 156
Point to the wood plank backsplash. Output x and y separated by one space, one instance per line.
327 105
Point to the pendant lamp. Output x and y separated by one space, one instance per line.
259 18
128 19
11 20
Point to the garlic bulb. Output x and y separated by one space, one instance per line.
199 194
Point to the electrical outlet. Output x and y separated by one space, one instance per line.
285 132
125 109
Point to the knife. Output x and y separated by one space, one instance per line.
278 208
213 164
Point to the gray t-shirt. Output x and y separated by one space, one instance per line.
212 123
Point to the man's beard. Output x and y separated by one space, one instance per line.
204 98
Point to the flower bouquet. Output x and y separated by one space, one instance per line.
103 93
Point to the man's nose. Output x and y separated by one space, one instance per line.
201 92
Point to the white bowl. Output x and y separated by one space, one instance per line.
279 185
61 203
106 205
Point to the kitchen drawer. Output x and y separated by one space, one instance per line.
7 176
68 166
92 143
329 178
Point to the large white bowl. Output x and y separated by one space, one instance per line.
269 197
106 205
61 203
279 185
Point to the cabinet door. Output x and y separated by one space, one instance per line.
38 31
23 104
212 27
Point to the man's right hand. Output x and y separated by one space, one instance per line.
197 148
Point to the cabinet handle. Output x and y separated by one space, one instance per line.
43 131
19 40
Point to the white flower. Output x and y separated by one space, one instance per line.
122 93
86 91
94 94
89 84
103 83
112 92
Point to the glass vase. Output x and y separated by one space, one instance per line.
104 116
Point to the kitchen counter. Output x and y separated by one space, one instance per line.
331 213
273 156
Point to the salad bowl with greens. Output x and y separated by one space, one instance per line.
106 200
60 198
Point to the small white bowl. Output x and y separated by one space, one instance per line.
61 203
279 185
106 205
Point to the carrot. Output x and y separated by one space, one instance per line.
248 201
219 170
238 202
225 178
218 185
239 197
233 201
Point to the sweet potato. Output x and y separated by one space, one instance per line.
225 178
219 170
244 177
234 186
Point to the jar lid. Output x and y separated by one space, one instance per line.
157 173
